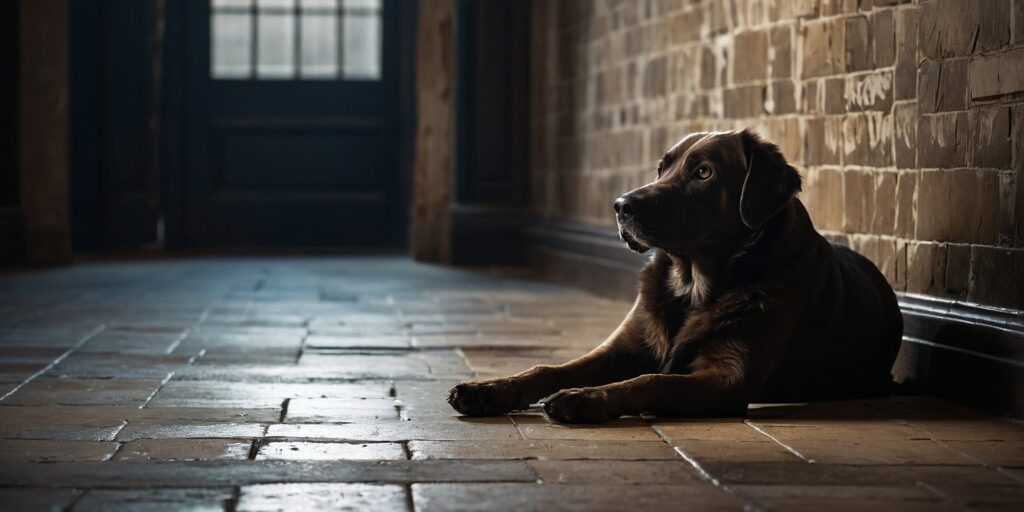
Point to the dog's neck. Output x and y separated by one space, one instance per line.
701 274
691 277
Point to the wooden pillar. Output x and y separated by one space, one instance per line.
43 127
435 136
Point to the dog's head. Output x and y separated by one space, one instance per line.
711 188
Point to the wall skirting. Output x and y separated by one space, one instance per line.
965 352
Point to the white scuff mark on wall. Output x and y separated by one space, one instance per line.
868 90
938 130
905 126
986 121
819 97
833 134
879 129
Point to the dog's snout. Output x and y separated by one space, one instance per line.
625 206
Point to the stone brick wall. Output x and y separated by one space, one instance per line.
905 118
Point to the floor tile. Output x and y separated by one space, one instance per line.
321 496
298 450
184 449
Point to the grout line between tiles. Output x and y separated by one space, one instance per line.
96 330
788 448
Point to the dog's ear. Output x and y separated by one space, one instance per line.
770 182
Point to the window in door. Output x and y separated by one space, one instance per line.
295 39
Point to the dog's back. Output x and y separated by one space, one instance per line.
848 340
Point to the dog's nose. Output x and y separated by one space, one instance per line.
624 206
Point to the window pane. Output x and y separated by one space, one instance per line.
231 38
276 47
362 4
362 46
287 4
232 3
318 4
319 46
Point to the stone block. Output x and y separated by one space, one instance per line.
623 429
869 92
780 53
858 200
44 450
906 199
184 449
997 276
744 101
867 139
997 75
883 38
824 48
99 500
753 46
824 141
859 56
942 140
321 496
905 136
1017 35
959 206
1017 136
906 54
883 215
958 270
655 77
942 85
687 25
956 28
542 450
301 450
575 472
823 196
782 99
926 267
708 68
1009 209
990 144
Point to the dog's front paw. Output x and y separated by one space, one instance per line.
484 398
586 405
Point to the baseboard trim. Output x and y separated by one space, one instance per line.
11 236
487 235
969 353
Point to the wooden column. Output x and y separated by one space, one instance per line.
434 154
43 127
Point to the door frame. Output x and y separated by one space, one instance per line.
173 107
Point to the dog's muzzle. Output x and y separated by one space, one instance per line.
632 242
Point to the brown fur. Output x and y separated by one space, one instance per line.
742 300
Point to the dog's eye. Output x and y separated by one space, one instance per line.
703 172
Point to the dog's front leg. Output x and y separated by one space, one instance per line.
703 393
620 357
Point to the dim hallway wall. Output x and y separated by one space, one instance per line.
905 118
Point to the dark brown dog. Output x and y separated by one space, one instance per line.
742 301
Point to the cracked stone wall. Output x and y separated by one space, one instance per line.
905 118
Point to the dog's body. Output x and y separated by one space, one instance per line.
743 300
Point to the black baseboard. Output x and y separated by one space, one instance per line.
487 235
11 237
968 353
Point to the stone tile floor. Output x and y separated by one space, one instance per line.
305 383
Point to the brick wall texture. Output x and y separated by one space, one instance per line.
905 118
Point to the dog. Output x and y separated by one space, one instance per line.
742 300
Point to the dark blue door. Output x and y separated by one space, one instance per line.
291 124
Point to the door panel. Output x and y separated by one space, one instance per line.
290 141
